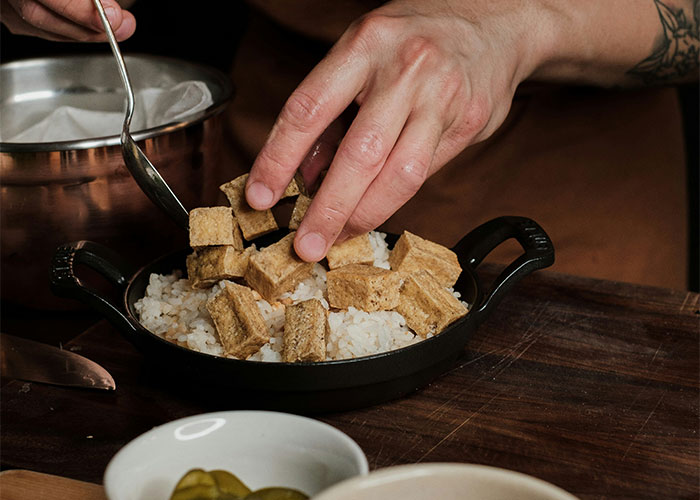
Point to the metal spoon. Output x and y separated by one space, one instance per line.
142 170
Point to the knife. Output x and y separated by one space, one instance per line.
36 362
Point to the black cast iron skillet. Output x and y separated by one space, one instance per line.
304 387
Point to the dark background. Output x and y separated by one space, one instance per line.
207 31
204 31
689 101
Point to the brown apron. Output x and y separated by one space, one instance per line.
601 170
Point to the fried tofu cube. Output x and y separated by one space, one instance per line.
426 305
356 250
305 331
291 190
363 287
413 253
295 187
207 266
213 226
238 321
300 207
237 236
276 269
253 223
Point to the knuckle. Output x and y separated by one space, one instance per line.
474 118
451 84
272 164
419 50
370 29
64 8
411 177
372 24
360 222
301 111
477 114
365 153
28 11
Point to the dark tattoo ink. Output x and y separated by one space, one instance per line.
679 51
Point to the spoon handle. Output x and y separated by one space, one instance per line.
142 170
123 73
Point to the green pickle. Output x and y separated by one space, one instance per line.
229 483
198 484
197 492
276 494
195 477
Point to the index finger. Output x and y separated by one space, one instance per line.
323 95
85 14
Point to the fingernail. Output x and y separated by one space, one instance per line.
259 195
312 247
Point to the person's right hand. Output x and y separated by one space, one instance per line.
429 79
65 20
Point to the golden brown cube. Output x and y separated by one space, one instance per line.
237 236
212 226
253 223
276 269
426 305
295 187
300 207
305 331
238 321
357 250
363 287
413 253
207 266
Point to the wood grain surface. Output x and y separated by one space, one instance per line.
24 485
591 385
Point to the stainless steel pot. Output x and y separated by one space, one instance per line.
63 191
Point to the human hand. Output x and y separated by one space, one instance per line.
429 81
65 20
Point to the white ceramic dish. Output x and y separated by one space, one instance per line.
261 448
446 481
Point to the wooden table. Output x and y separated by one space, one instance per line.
591 385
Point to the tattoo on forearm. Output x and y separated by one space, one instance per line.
678 52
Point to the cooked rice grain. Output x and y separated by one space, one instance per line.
176 312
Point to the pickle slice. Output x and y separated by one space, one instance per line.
196 492
195 477
276 493
230 484
198 484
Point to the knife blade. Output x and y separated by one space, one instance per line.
36 362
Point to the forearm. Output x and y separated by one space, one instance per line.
620 42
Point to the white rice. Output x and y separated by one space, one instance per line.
176 312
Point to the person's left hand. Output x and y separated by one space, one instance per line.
430 79
65 20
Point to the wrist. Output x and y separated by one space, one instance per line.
536 33
552 43
596 42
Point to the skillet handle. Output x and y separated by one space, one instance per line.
539 253
65 283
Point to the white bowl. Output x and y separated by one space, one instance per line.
446 481
261 448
